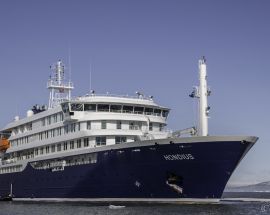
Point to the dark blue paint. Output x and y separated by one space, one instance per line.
114 175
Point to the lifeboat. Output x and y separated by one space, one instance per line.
4 144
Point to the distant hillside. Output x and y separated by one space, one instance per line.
260 187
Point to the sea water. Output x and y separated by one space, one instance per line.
226 206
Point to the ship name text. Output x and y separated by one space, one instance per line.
178 157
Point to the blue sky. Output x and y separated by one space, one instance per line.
152 46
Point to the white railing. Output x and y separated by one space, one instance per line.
114 95
52 83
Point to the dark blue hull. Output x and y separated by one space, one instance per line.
189 170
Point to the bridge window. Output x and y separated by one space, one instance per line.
116 108
76 107
138 110
65 107
127 109
90 107
103 108
165 113
148 111
157 112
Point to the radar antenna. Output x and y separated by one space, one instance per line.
60 90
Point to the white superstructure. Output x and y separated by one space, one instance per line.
81 123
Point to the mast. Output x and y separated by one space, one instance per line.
59 89
202 92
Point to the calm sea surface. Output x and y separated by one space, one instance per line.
225 207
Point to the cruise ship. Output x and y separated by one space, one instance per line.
109 148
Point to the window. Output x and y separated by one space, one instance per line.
47 134
131 125
71 145
61 116
90 107
29 127
138 110
72 127
36 151
135 125
78 126
79 143
43 122
88 126
161 127
41 151
119 139
157 112
65 107
148 111
59 131
103 124
100 141
59 147
16 131
49 120
52 133
165 113
55 118
66 129
119 125
53 148
47 149
21 129
127 109
86 142
65 146
150 126
116 108
76 107
103 108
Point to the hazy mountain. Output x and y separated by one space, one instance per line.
260 187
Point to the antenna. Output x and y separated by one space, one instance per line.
69 63
90 77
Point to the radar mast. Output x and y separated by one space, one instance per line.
60 90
